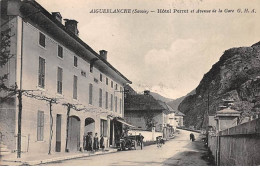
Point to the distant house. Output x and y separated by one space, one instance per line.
144 112
179 118
168 120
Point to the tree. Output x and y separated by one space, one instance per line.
5 56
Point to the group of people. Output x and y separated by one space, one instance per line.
93 144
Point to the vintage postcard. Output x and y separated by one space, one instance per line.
130 83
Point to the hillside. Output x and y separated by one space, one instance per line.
175 103
160 97
235 76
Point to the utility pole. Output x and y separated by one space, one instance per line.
19 135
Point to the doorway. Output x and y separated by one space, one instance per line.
74 134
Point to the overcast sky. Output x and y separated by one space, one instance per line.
166 53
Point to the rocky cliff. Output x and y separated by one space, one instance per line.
235 76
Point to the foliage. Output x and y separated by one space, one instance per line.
5 54
149 119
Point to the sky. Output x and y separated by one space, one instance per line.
167 53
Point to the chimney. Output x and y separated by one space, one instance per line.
57 16
103 54
71 25
147 92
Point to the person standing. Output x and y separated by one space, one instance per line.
89 142
141 139
95 145
192 137
85 142
102 146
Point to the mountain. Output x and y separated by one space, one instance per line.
175 103
160 97
235 76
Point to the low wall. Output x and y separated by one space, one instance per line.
148 135
238 146
212 144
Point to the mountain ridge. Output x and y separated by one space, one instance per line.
235 76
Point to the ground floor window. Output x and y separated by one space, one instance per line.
103 127
40 125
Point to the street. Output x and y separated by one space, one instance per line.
179 151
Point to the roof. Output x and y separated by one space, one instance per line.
228 111
178 113
27 10
165 106
142 102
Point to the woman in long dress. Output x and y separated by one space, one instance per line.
95 145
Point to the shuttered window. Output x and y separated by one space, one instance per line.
75 61
60 51
120 109
40 125
106 100
100 77
103 127
42 39
112 85
75 86
41 73
115 104
90 93
59 80
111 106
100 97
106 81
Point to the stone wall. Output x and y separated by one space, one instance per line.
148 135
239 145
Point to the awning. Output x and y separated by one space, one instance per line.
123 122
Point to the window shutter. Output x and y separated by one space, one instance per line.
100 97
59 80
75 84
41 77
90 93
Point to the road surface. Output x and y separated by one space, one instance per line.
179 151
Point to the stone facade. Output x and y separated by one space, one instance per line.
93 110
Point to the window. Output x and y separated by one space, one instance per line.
115 104
111 106
60 51
90 93
75 85
41 76
112 85
106 81
116 86
75 61
120 109
42 39
59 80
91 69
106 100
100 77
103 127
100 97
40 125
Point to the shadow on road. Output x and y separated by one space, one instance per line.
196 154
